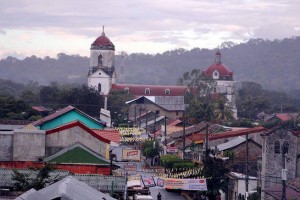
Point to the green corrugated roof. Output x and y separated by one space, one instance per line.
78 155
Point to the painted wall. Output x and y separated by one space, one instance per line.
6 145
28 145
69 117
100 77
59 140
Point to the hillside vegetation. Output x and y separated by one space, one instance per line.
273 64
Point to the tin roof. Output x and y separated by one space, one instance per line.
69 188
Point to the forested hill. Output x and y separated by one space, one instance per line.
273 64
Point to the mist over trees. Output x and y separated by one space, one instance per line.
273 64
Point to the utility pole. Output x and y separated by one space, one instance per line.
183 142
154 128
284 151
206 140
247 160
165 134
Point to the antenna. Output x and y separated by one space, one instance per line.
123 55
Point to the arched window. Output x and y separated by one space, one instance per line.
285 147
277 147
147 91
126 89
167 91
215 74
99 87
100 60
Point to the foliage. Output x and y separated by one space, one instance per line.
185 165
198 84
175 162
11 108
39 179
149 149
253 99
117 106
215 172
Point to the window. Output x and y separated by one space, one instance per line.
285 147
99 87
215 74
147 91
126 89
100 60
277 147
167 91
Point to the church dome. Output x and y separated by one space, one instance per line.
218 70
103 42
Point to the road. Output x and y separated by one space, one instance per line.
165 195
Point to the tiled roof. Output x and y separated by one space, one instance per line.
14 122
111 135
155 90
81 125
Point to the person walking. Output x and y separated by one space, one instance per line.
158 196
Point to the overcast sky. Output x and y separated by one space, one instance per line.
49 27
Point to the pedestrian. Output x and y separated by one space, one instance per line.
158 196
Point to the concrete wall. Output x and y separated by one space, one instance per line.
6 145
28 145
108 57
59 140
272 163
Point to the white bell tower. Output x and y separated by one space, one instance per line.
102 73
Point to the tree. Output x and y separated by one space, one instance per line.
215 174
117 106
198 84
151 149
37 179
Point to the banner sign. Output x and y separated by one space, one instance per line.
185 184
148 181
160 182
172 149
130 169
131 155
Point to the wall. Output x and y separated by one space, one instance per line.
100 77
108 57
59 140
6 145
28 145
272 163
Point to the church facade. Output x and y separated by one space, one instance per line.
102 76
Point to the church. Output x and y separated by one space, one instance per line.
102 76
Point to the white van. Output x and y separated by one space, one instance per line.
142 197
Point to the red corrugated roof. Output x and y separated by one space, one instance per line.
284 117
228 134
111 135
155 90
81 125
